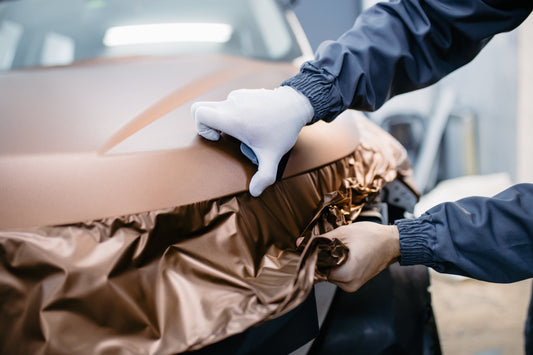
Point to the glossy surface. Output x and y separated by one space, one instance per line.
44 33
181 278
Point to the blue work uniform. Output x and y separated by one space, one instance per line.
402 46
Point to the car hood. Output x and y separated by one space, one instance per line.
81 108
110 137
162 250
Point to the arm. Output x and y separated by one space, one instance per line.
401 46
393 48
489 239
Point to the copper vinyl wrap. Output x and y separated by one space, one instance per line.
179 279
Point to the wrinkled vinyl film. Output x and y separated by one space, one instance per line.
181 278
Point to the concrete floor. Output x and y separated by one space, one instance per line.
479 318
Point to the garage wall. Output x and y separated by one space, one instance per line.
525 103
326 20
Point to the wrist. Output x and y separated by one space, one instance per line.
392 242
300 102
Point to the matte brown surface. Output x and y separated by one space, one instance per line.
113 137
181 278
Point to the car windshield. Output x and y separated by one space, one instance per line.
61 32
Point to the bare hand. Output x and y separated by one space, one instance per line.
372 248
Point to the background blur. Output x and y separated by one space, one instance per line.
481 146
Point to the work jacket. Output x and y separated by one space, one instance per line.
401 46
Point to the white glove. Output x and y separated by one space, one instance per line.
267 121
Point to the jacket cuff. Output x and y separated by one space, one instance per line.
415 239
318 86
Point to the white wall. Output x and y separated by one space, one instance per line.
525 103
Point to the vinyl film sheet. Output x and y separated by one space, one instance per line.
179 279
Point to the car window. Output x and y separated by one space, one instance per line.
61 32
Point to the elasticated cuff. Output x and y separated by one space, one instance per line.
318 86
415 239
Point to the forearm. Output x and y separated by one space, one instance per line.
400 46
489 239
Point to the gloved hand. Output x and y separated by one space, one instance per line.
372 247
267 121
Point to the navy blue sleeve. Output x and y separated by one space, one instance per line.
489 239
400 46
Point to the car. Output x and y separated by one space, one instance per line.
123 231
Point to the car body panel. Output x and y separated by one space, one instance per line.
118 135
187 276
122 230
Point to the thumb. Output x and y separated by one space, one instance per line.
207 132
266 173
206 118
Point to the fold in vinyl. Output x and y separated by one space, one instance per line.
179 279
